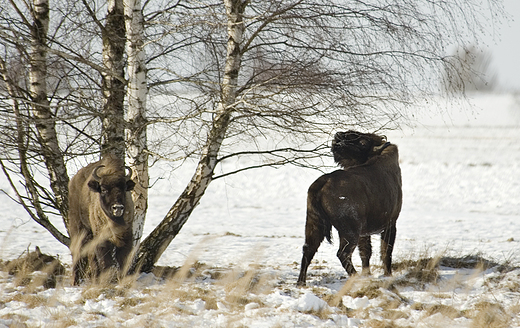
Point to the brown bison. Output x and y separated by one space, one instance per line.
101 212
362 199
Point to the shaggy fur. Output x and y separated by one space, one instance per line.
101 213
354 148
362 199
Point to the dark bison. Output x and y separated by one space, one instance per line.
101 212
362 199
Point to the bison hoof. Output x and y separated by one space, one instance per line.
352 272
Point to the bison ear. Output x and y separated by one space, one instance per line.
94 186
130 185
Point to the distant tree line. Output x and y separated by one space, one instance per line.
469 70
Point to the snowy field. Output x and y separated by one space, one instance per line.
461 185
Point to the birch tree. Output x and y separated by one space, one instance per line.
155 244
75 96
137 91
20 135
113 82
41 115
43 118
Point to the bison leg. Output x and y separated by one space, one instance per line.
308 254
123 254
346 248
313 239
80 268
106 255
387 246
80 262
105 266
365 252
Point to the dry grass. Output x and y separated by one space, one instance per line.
382 324
489 315
94 291
34 269
184 292
395 315
418 272
474 261
15 320
445 310
32 301
423 274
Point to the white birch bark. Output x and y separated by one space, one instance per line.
137 92
44 120
156 243
114 36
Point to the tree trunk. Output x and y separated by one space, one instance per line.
114 35
137 91
44 120
156 243
21 138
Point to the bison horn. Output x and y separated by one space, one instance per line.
95 174
129 173
382 147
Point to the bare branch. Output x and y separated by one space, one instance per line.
280 157
39 216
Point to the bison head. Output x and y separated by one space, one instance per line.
112 190
354 148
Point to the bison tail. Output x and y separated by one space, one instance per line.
317 217
327 229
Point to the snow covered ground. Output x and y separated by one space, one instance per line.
461 185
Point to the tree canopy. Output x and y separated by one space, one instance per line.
208 81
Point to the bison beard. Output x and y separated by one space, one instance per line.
362 199
100 219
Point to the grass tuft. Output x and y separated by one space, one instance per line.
446 310
375 323
15 320
476 261
418 272
26 267
490 315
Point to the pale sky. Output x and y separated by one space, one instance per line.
505 49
